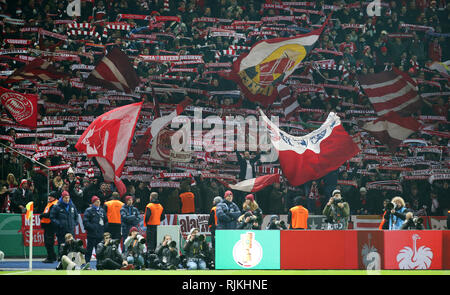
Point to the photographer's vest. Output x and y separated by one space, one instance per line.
46 210
187 202
156 210
299 217
113 211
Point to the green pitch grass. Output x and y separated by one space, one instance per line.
227 272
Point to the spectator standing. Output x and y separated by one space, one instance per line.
20 197
64 216
95 222
227 212
129 215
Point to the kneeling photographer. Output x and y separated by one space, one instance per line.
72 253
412 222
166 255
134 246
108 254
248 221
196 250
275 223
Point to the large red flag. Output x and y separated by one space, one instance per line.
108 139
23 107
310 157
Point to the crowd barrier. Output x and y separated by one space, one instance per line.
337 249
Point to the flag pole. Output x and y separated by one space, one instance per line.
30 263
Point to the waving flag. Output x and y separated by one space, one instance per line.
314 155
269 63
108 139
23 107
114 71
157 125
38 68
391 91
391 129
254 185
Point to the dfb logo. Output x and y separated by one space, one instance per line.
374 8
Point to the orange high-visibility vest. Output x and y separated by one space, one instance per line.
113 211
213 209
156 210
187 201
46 210
299 217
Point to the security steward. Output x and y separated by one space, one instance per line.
187 202
298 215
212 222
49 231
112 209
153 215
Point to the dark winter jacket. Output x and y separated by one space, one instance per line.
130 217
227 215
64 217
95 222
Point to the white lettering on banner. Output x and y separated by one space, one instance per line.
190 221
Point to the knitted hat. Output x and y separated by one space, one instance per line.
94 198
24 181
250 197
127 198
133 229
65 193
227 193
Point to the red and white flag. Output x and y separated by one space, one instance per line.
254 185
391 91
114 71
157 125
391 129
108 139
310 157
37 68
23 107
289 102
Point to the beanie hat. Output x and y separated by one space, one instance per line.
250 197
65 193
127 198
227 193
94 198
192 230
23 182
133 229
217 200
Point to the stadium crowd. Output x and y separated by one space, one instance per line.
410 35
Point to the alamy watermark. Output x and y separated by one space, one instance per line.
214 134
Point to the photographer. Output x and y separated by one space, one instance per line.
412 222
196 250
397 214
248 221
134 248
167 254
71 256
337 212
108 254
275 223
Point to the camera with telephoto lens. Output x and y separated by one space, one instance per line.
337 201
141 239
79 243
172 244
418 220
279 223
389 206
201 238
